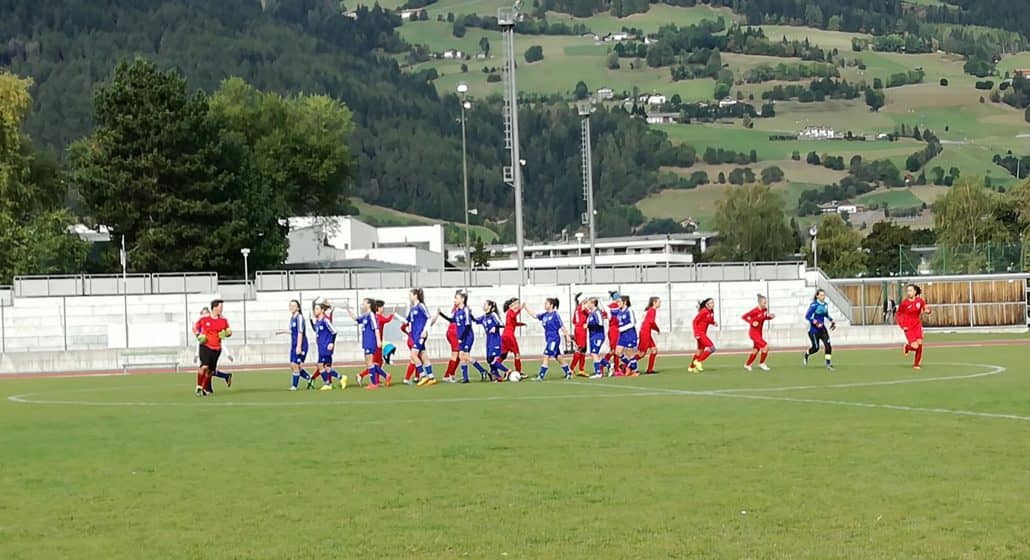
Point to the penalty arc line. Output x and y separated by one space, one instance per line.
722 393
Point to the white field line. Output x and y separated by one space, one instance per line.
635 391
734 394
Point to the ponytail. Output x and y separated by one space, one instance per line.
703 303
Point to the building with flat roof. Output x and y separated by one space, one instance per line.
341 241
676 249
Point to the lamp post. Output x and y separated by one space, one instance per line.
246 289
463 89
814 232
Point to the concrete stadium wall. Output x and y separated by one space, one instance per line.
82 333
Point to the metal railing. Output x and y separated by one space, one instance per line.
115 284
343 279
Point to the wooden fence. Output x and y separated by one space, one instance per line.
975 301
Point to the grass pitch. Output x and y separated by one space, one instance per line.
874 461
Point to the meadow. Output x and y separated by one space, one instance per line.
972 132
872 461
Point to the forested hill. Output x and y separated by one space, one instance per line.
407 141
873 16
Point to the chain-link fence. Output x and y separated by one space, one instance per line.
982 258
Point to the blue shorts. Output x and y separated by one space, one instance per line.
628 339
596 342
465 344
296 358
553 348
492 352
418 344
325 358
369 350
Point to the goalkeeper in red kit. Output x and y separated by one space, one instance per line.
211 330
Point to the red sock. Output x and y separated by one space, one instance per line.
694 358
919 356
451 367
764 356
200 379
908 348
638 356
410 373
751 358
650 362
704 355
518 364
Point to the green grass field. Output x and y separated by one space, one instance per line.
895 198
874 461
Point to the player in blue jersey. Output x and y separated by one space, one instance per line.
464 334
491 322
595 337
418 331
819 326
371 340
325 339
554 333
298 332
627 346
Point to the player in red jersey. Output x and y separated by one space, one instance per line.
647 346
705 347
382 319
613 334
213 329
509 344
910 319
579 331
755 320
409 374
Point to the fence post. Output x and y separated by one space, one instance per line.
186 317
3 325
64 320
972 310
861 300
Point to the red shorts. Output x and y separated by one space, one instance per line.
704 342
613 339
759 342
581 338
913 334
452 339
646 343
509 345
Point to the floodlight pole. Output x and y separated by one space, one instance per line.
506 18
585 108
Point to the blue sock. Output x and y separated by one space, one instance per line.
419 371
605 364
325 377
333 374
568 372
500 366
429 371
633 365
625 360
304 374
479 367
296 378
597 368
221 374
373 375
543 371
465 372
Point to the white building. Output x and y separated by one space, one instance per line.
676 249
727 102
99 235
605 93
656 99
662 118
338 240
817 133
453 54
840 208
409 15
618 37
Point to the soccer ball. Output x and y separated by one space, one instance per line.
514 377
